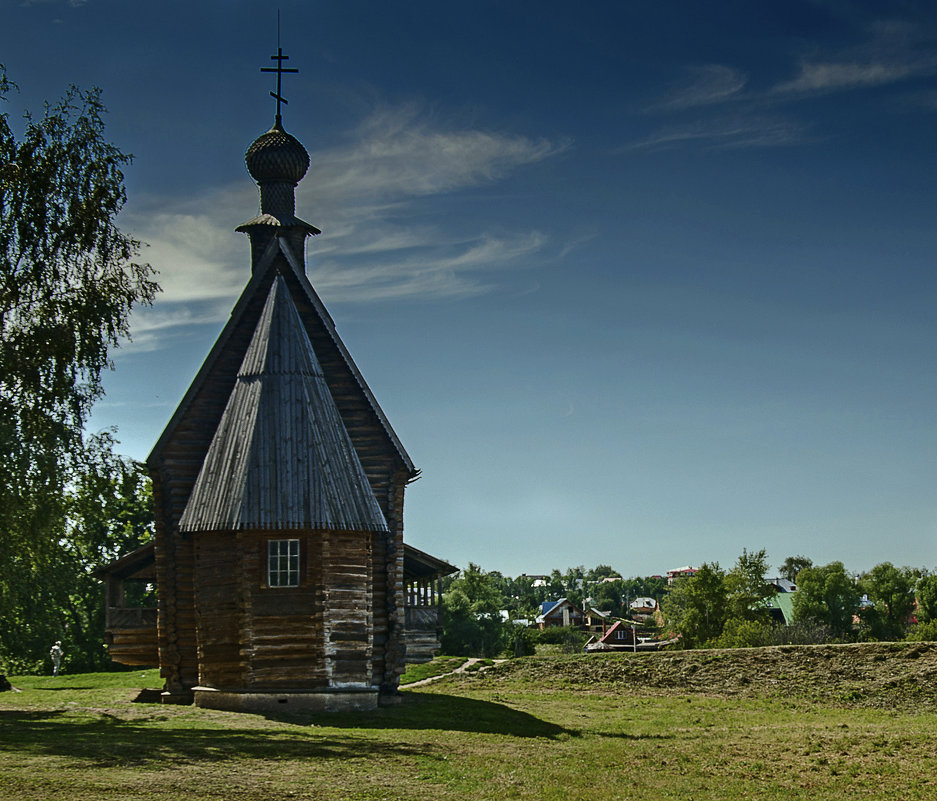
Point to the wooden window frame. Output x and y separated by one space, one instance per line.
287 576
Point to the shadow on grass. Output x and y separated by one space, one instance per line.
64 687
626 736
107 740
442 712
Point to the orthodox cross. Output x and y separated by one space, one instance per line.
279 69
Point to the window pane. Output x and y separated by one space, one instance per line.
283 563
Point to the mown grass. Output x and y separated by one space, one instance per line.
489 735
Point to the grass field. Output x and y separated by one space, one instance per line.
853 722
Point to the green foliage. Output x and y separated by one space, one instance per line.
696 607
827 596
925 631
67 285
747 589
609 597
926 592
524 641
741 633
600 572
793 565
472 623
891 589
49 594
569 639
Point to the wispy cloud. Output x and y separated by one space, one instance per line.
716 108
432 270
818 77
70 3
724 134
707 84
364 193
396 153
713 109
894 51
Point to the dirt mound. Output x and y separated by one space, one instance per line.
882 675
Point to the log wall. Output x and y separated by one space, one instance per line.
219 610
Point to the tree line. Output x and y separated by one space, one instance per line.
715 608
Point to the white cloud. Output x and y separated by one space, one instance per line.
397 154
708 84
362 193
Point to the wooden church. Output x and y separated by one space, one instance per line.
281 572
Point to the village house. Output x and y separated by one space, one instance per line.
643 608
680 572
625 636
565 613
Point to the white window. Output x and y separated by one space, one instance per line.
282 563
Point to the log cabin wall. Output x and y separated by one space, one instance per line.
395 653
219 610
317 635
284 635
347 608
178 659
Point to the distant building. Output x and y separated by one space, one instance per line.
565 613
680 572
643 606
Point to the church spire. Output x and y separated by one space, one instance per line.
277 161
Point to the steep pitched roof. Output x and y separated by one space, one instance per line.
281 456
277 248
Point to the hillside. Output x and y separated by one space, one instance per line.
875 675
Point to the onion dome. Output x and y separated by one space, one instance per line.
277 156
277 162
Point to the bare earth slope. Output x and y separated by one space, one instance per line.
880 675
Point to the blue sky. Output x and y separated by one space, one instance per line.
644 284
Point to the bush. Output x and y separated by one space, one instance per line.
569 640
743 634
524 642
801 633
923 632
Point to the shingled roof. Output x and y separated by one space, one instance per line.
281 456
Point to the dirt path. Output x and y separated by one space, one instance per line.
460 669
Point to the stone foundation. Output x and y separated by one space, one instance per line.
337 700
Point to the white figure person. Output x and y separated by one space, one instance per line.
56 653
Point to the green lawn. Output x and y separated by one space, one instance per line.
489 735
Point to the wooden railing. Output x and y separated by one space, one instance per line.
122 617
426 618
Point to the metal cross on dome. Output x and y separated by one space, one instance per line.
279 69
